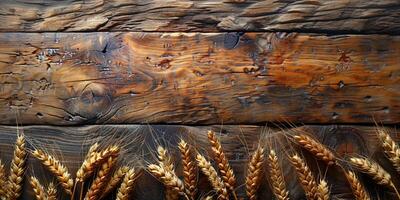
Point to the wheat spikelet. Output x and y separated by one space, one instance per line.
276 176
100 180
115 180
358 190
38 189
391 149
207 198
51 192
17 169
223 165
373 169
127 185
94 160
55 167
213 177
306 178
168 178
323 190
3 181
189 170
254 171
316 148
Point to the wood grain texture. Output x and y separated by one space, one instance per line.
334 16
198 78
139 143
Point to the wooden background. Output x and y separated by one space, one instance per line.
79 71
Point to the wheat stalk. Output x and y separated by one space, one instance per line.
359 191
116 178
323 190
373 169
127 185
306 178
223 165
17 169
316 148
391 149
94 160
100 180
213 177
254 171
167 177
51 192
38 189
276 176
189 170
3 181
55 167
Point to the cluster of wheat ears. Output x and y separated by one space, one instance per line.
100 166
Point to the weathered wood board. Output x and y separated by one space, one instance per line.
198 78
139 141
334 16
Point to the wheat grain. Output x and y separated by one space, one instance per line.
51 192
316 148
127 185
276 176
373 169
391 149
115 180
100 180
323 190
359 191
55 167
17 169
306 178
3 181
213 177
189 170
254 171
38 189
168 178
94 160
223 165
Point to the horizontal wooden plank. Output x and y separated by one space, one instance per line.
139 142
335 16
198 78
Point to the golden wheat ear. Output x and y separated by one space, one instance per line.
38 189
213 177
116 179
95 159
391 148
359 191
276 177
127 185
319 150
375 171
17 169
189 170
167 177
3 181
222 162
51 192
323 190
306 178
99 182
56 168
254 172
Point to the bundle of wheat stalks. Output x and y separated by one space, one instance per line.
100 166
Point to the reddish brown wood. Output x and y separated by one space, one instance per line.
198 78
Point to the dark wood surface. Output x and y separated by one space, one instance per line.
198 78
334 16
139 141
